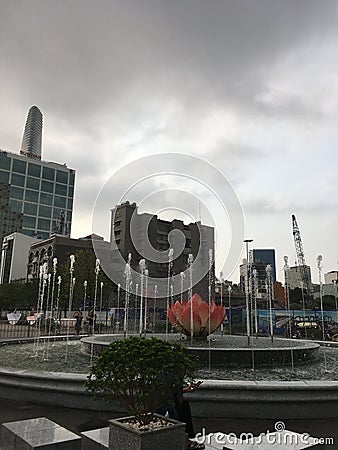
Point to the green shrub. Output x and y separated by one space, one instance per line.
142 374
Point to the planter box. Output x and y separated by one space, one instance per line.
165 438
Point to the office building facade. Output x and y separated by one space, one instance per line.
131 232
263 257
295 277
36 196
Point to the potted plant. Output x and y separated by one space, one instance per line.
144 375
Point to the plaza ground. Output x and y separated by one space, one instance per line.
83 420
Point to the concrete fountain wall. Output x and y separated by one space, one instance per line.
214 399
227 351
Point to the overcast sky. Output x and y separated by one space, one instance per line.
249 85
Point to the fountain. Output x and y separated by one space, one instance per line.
216 352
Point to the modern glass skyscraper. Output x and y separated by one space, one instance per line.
265 256
32 136
36 197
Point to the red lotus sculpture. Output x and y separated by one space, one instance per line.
196 315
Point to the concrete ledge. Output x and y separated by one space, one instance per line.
39 433
214 399
95 439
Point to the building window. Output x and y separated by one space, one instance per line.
34 170
117 233
18 180
118 241
42 235
46 186
4 176
19 166
117 223
71 191
60 202
44 224
71 179
60 189
16 193
46 199
33 183
70 203
31 196
45 211
48 174
62 177
57 213
30 208
5 162
15 206
29 222
69 216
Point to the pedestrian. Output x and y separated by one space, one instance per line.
78 321
181 412
91 321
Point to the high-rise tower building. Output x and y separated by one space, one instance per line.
131 232
32 136
264 256
36 197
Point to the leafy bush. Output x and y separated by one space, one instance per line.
142 374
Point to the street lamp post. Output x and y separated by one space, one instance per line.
286 269
221 295
269 285
230 316
247 290
255 274
319 265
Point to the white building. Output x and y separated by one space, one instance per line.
331 277
14 257
295 277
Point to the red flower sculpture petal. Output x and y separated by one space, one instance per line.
202 319
186 320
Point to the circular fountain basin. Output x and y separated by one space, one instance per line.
227 351
216 398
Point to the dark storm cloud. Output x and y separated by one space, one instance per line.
83 57
249 85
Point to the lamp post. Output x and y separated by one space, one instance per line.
71 271
286 269
319 265
85 283
221 294
146 277
269 284
230 316
142 266
255 287
247 241
336 293
97 272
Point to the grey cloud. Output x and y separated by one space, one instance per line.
79 55
121 78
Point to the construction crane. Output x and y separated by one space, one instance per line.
304 273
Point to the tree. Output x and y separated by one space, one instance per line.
329 302
142 374
17 295
84 270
